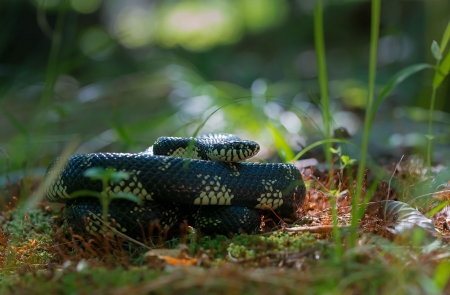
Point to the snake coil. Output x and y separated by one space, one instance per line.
215 192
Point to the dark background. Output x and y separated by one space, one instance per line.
118 74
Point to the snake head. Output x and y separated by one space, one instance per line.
233 151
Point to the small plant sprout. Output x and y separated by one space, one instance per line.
442 69
106 176
344 160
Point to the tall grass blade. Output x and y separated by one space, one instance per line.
323 77
375 25
442 275
394 81
445 38
320 142
442 71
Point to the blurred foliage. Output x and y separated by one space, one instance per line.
119 74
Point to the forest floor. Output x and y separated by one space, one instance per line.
402 246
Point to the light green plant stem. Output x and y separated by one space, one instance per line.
375 24
323 80
430 126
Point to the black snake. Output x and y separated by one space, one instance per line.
214 192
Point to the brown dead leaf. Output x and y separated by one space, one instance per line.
178 256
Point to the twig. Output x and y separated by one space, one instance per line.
392 176
119 233
314 229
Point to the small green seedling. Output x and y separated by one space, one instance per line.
106 176
345 161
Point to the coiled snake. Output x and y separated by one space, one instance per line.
214 192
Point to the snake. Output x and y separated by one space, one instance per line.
205 180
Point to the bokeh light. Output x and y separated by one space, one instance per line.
354 93
96 43
85 6
135 26
259 15
198 25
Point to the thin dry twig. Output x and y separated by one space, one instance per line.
113 230
314 229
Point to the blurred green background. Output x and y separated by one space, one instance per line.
118 74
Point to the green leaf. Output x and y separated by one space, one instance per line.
117 176
334 192
445 38
95 173
335 151
430 137
345 159
394 81
442 71
284 149
126 196
436 50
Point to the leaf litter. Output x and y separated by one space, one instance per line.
388 238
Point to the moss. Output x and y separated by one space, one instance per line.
25 224
247 247
215 246
28 236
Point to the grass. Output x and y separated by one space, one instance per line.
335 246
375 24
441 72
323 82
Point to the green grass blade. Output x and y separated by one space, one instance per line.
374 35
437 208
442 274
323 77
445 38
442 71
394 81
283 148
190 148
320 142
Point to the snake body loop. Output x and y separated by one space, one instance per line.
215 196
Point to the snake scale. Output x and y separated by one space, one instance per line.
210 188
